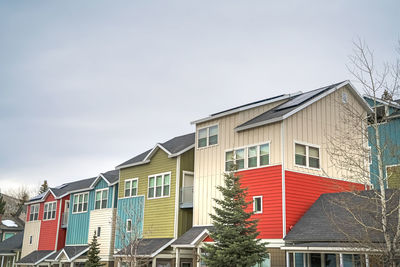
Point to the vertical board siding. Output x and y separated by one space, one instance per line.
302 190
159 215
128 208
210 161
265 182
48 228
78 224
317 125
32 228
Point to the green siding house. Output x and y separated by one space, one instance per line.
155 198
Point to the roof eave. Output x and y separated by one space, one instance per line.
131 165
181 152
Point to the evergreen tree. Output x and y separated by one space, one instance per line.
2 205
234 231
43 188
93 253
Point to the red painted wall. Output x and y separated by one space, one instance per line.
302 190
266 182
62 231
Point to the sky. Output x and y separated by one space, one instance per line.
86 85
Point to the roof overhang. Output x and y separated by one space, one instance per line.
385 102
151 255
38 261
358 97
328 248
239 109
200 237
72 258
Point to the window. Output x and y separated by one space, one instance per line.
307 156
98 231
129 225
101 199
393 176
250 157
257 204
34 212
344 97
159 185
265 263
207 136
30 240
8 235
50 210
131 187
80 202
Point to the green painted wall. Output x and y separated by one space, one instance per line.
185 217
158 213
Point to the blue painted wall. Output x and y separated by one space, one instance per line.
78 223
390 140
128 208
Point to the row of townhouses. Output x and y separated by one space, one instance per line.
163 197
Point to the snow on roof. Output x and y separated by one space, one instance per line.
9 223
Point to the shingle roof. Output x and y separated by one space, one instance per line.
173 146
12 244
191 235
277 113
111 176
148 247
20 224
71 252
35 257
331 218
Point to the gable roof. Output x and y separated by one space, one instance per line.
193 236
331 218
394 103
70 252
298 103
149 247
12 244
111 178
173 147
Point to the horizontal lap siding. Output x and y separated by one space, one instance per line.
302 190
103 218
48 228
266 182
32 228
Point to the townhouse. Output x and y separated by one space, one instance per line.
155 201
388 118
280 147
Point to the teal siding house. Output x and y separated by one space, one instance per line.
388 114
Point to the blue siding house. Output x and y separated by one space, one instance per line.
388 115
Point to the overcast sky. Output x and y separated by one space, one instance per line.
86 85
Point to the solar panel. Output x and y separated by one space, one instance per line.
301 98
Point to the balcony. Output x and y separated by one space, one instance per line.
64 219
186 197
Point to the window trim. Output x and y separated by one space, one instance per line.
30 212
162 187
246 155
44 210
254 205
95 193
207 137
307 145
126 226
83 198
130 190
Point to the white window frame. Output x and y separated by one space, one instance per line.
128 230
37 208
101 199
77 203
307 145
130 189
246 156
254 205
162 186
207 136
46 210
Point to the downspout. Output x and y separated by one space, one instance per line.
283 179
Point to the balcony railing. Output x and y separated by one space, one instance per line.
186 197
64 219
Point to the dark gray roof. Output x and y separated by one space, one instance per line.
331 218
191 235
12 244
173 146
71 252
15 219
148 246
286 107
111 176
35 257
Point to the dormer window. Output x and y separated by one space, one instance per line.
207 136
